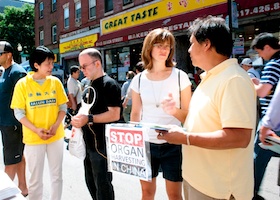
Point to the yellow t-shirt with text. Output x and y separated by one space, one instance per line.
41 104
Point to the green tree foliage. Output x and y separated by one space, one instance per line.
17 27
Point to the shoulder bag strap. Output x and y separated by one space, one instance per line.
179 83
139 82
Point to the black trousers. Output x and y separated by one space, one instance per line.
98 179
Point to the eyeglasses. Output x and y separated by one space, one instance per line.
162 46
1 53
84 66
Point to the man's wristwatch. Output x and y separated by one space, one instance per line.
90 119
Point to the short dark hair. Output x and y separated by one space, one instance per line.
130 74
6 47
265 39
73 69
139 66
216 31
39 55
93 53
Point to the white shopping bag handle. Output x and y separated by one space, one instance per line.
85 107
76 142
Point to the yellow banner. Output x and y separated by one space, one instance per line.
80 43
152 12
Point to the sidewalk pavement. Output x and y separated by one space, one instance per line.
127 188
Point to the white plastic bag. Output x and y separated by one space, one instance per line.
76 142
77 145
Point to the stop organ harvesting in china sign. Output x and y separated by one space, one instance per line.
128 151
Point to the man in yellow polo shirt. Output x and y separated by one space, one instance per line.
218 143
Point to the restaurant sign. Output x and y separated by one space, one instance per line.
79 43
155 11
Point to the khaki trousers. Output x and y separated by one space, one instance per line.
191 193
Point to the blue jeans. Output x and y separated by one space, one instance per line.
261 160
98 179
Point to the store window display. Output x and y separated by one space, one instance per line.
118 63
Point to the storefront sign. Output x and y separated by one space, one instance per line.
113 41
185 20
174 23
159 10
259 9
175 27
138 34
76 32
126 151
79 43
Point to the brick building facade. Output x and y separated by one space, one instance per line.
117 27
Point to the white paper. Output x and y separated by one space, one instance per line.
8 188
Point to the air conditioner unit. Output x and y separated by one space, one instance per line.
127 2
77 20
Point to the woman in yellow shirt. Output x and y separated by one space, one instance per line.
39 103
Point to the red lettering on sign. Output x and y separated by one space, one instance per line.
127 137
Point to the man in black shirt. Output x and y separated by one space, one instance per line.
105 109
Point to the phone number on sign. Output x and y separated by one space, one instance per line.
259 9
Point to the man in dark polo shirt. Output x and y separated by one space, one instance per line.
11 129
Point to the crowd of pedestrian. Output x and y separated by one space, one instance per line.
211 147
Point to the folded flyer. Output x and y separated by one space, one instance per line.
275 144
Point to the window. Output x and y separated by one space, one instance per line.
54 36
66 17
117 63
41 9
41 39
92 9
78 12
53 5
125 2
108 5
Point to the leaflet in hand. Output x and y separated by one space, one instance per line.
275 144
272 140
158 127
